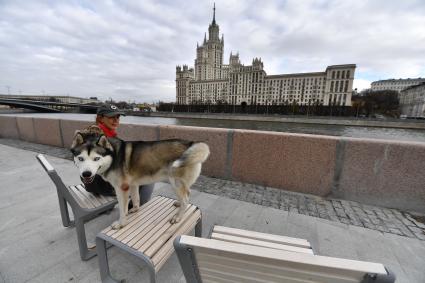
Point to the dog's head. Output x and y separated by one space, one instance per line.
92 154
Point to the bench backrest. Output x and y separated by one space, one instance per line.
61 188
210 260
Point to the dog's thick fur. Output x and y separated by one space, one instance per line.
127 165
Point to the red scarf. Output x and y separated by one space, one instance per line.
108 132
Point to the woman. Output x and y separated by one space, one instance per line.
108 120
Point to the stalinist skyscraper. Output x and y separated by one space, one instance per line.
214 82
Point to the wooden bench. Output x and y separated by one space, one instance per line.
257 257
149 235
85 206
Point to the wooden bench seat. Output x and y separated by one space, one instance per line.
88 200
148 235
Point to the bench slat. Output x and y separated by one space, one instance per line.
84 197
136 218
100 198
165 233
110 232
145 231
158 225
258 243
272 271
81 199
92 198
141 227
302 243
168 248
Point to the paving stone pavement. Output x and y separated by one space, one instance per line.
348 212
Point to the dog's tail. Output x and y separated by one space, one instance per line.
198 152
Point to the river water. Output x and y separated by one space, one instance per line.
316 129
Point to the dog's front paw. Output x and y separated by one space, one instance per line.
176 218
116 225
133 210
119 224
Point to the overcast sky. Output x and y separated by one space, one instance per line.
128 50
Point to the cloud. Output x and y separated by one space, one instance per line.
361 84
128 50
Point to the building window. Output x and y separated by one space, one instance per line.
347 75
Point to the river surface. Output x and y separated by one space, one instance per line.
316 129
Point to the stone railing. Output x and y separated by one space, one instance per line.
376 172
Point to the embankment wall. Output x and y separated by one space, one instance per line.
376 172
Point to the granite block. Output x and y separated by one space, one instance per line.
385 173
47 131
26 128
68 128
8 127
294 162
131 132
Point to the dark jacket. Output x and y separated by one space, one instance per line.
100 187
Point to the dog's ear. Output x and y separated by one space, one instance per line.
78 139
103 142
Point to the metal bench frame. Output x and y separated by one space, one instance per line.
188 262
103 239
82 214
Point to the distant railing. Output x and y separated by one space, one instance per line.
49 106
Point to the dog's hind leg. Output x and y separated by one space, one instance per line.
135 198
182 192
175 186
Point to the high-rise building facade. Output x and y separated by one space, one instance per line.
213 82
412 101
396 84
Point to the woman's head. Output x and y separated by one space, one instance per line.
111 123
109 115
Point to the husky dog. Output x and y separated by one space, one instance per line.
128 165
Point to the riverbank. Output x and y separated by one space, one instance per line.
342 121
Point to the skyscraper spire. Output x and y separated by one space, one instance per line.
213 22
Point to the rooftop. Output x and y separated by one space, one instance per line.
393 80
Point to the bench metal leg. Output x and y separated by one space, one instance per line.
102 245
85 253
63 205
102 255
152 274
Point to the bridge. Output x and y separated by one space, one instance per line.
49 106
